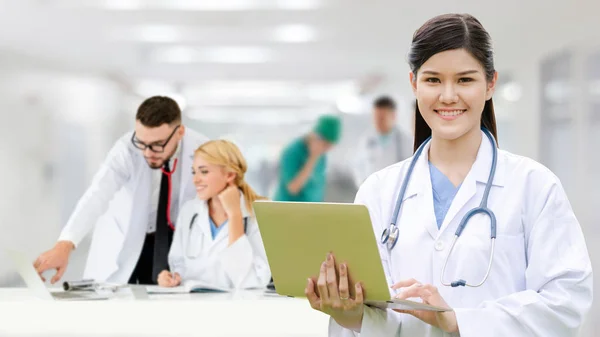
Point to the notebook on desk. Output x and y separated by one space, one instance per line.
190 286
298 236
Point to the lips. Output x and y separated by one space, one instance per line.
450 113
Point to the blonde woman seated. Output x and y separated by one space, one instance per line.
216 240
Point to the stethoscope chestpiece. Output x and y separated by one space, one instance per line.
390 236
459 283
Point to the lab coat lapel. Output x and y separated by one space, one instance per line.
221 236
420 184
135 229
141 200
466 192
201 223
479 173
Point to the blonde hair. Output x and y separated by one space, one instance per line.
227 154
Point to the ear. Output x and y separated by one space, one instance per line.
491 87
413 82
230 177
181 130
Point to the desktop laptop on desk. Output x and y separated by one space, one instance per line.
37 286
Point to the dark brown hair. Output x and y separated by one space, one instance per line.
448 32
158 110
385 102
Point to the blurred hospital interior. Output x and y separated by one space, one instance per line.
260 73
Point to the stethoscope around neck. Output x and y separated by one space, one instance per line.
389 237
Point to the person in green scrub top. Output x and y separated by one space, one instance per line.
303 163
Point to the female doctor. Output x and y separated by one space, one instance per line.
540 279
217 240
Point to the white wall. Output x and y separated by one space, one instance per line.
55 130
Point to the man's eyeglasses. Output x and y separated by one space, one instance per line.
157 148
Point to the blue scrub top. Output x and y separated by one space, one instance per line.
214 230
443 193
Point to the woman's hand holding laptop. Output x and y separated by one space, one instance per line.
333 297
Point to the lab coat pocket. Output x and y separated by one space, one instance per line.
471 255
510 259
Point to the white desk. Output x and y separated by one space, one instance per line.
242 314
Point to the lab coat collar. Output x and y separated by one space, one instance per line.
176 155
481 168
479 173
419 179
420 183
483 163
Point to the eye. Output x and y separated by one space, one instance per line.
204 171
432 80
465 80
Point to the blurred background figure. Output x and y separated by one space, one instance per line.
303 163
383 145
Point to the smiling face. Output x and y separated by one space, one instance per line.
210 179
451 91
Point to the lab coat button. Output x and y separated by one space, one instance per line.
439 245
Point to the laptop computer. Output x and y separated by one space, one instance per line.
36 285
297 237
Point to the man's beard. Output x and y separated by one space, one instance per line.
160 164
155 166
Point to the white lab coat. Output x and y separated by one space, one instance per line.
196 256
117 201
540 283
372 155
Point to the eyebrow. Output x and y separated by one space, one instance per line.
157 142
201 167
462 73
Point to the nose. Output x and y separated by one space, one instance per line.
147 152
449 94
196 179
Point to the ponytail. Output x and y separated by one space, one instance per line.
249 195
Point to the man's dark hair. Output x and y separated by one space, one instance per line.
158 110
385 102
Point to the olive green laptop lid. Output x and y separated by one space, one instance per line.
298 236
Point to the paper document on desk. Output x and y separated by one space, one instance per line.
190 286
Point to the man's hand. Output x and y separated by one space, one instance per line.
56 258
